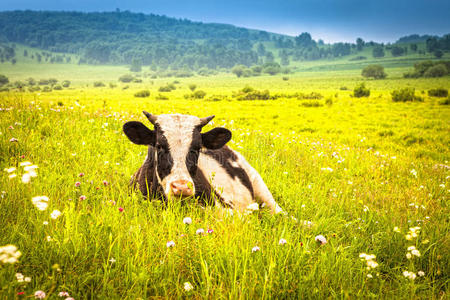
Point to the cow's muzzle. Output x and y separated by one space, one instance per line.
182 188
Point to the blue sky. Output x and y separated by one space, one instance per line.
330 20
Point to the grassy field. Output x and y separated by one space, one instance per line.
370 175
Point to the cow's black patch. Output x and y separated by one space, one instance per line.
225 156
216 138
138 133
164 157
193 153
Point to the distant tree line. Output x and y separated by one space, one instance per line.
429 69
165 43
7 53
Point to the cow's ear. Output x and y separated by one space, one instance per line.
216 138
138 133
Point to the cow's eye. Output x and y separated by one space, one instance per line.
160 147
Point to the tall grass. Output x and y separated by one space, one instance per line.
332 168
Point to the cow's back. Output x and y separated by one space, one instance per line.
228 175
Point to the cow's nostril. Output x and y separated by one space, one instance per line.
181 188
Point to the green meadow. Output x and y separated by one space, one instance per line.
368 174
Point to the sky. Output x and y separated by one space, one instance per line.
329 20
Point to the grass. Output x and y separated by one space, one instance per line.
355 169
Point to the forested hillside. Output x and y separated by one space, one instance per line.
179 44
120 37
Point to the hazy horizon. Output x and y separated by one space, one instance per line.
381 21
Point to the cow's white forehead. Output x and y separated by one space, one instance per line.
177 122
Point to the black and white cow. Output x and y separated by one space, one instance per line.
182 161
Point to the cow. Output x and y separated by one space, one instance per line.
184 162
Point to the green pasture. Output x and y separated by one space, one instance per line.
370 175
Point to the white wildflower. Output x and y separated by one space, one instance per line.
372 264
321 239
255 249
200 231
410 275
26 178
39 295
188 286
170 244
55 214
30 168
40 202
370 260
9 254
253 207
421 273
282 242
187 221
63 294
10 170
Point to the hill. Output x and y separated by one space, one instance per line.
119 37
124 38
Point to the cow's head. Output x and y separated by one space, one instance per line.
176 142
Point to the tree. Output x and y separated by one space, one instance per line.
413 47
52 81
97 52
244 45
304 40
432 44
397 51
238 70
261 50
269 56
30 81
438 70
374 71
361 91
284 57
359 44
136 65
126 78
378 51
340 49
438 53
271 68
3 80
